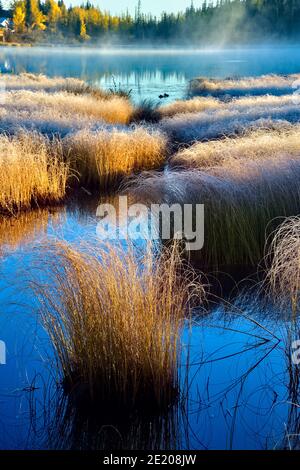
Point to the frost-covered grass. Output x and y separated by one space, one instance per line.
32 172
114 110
101 158
241 204
193 105
265 84
230 120
40 82
257 144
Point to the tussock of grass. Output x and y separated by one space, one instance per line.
115 322
255 145
189 106
240 203
31 172
227 121
284 273
102 158
113 110
146 111
265 84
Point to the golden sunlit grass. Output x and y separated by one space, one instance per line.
189 106
115 321
242 203
265 84
113 110
31 172
284 272
258 144
102 158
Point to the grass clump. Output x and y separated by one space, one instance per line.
229 121
284 271
195 105
265 84
114 110
39 82
241 202
115 321
258 144
146 111
102 158
32 172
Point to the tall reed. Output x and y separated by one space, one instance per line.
115 320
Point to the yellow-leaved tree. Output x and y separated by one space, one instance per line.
19 16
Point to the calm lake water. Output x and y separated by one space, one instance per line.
241 387
149 73
240 383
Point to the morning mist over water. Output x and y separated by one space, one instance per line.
148 72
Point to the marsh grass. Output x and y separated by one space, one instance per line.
284 263
40 82
194 105
103 158
227 121
32 172
265 84
259 144
242 204
115 320
115 110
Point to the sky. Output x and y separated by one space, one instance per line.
156 7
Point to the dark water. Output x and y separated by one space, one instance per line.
239 382
149 73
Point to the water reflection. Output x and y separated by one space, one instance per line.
151 72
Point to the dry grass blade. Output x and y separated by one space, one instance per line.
284 272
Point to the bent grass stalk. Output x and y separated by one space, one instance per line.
284 271
115 322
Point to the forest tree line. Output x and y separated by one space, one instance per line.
226 21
